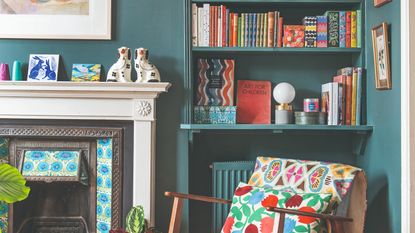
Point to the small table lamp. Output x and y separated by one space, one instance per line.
284 94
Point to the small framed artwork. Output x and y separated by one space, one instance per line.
86 72
379 3
43 68
381 57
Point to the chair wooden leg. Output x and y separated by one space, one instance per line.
281 223
176 215
337 227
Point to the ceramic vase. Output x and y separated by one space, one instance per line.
17 71
4 72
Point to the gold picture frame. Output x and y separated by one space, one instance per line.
381 57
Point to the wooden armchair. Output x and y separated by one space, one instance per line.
334 223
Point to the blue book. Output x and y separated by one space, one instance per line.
254 26
342 29
249 34
359 94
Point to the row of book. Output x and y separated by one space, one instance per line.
217 26
343 98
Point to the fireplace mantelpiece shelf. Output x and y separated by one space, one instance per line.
96 101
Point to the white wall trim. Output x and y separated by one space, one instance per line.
405 118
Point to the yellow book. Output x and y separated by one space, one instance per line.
353 33
354 95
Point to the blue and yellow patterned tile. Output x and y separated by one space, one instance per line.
64 163
104 184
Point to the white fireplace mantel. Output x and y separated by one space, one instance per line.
96 101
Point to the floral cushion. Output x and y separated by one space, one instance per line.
248 212
300 176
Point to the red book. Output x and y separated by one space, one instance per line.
348 29
223 26
342 106
253 102
230 29
211 21
280 33
215 26
271 23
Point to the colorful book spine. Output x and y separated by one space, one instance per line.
348 28
342 29
246 30
354 95
258 30
280 32
310 31
195 25
250 20
219 31
322 31
333 28
224 28
235 30
254 26
359 95
342 79
243 29
353 30
359 28
228 19
216 26
271 22
239 31
265 31
348 72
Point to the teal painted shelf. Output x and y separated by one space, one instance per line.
276 50
281 1
362 129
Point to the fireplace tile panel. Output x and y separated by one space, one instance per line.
4 158
51 163
104 184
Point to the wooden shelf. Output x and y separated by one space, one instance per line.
281 1
362 129
276 50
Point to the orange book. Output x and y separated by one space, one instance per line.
349 81
271 22
224 26
280 32
253 102
230 29
235 30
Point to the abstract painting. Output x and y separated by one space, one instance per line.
43 68
86 72
55 19
45 7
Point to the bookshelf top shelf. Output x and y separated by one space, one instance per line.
276 50
281 1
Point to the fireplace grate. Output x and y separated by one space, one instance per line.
54 225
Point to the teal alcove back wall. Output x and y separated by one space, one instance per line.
159 26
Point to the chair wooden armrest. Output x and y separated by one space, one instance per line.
334 222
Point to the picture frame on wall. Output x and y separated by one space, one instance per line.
381 57
55 19
379 3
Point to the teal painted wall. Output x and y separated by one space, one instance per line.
158 26
382 161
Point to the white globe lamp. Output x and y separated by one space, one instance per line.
284 94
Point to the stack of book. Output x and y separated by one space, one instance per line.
217 26
342 29
342 99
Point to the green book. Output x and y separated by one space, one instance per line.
243 18
239 31
359 28
258 30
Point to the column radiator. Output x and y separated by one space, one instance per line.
226 177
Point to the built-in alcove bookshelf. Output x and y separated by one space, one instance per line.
305 68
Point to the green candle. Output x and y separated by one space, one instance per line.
17 71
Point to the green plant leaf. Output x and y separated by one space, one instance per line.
135 219
12 185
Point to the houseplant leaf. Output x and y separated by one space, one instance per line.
12 185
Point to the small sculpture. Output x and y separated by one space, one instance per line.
146 72
121 70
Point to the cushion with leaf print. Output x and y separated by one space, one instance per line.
248 212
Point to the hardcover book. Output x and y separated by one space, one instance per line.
279 31
359 28
215 83
348 72
354 30
294 36
342 29
194 25
310 31
342 79
215 114
354 96
329 102
322 31
359 96
253 102
271 23
333 28
348 29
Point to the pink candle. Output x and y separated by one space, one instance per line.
4 72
